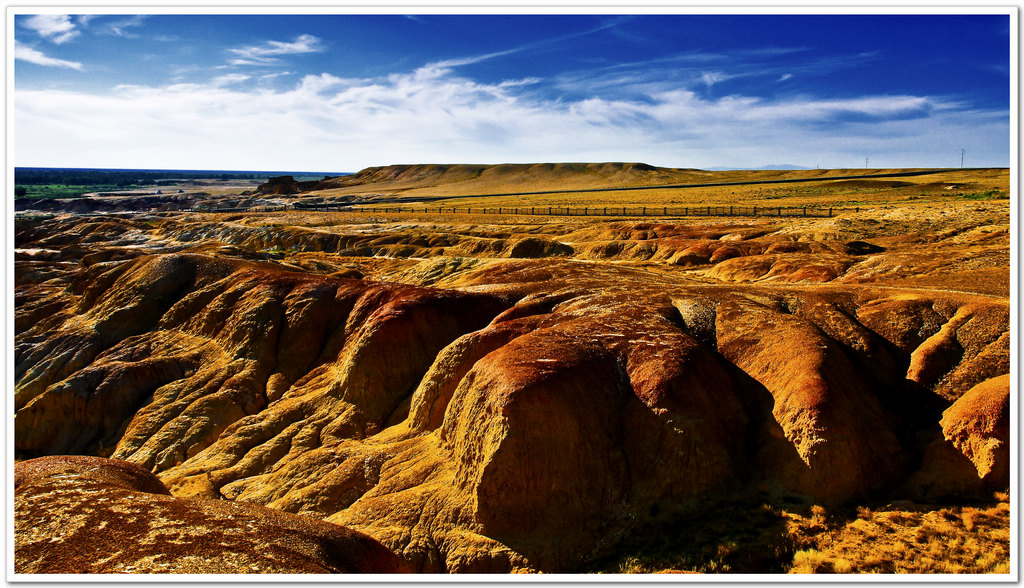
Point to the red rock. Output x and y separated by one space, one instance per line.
92 515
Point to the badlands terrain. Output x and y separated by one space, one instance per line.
303 391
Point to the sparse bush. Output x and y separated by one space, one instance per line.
631 565
988 560
1001 568
842 566
819 513
969 517
807 561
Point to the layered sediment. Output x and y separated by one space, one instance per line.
487 400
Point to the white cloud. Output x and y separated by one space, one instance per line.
328 123
785 77
250 62
268 52
278 74
711 78
57 28
229 79
120 28
26 53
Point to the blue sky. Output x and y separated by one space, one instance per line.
342 92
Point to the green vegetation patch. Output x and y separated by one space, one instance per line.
986 195
62 190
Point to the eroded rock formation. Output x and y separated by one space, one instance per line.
494 414
78 514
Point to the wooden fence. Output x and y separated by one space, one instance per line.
614 211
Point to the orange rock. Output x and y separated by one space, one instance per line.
93 515
972 455
837 442
515 415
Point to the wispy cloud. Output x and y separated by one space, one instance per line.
277 74
26 53
699 70
123 27
710 78
444 65
56 28
325 121
228 79
267 53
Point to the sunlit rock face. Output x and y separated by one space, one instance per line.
79 515
480 399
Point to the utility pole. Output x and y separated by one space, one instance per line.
865 163
961 158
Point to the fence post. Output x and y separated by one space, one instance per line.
584 211
531 210
709 211
755 210
780 211
645 211
805 211
549 211
730 210
605 213
830 211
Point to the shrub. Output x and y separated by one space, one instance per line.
842 566
807 561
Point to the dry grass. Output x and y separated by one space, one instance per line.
902 538
946 186
908 539
728 536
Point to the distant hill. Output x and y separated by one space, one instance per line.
493 178
511 179
771 167
438 174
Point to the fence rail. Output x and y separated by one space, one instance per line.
616 211
595 211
